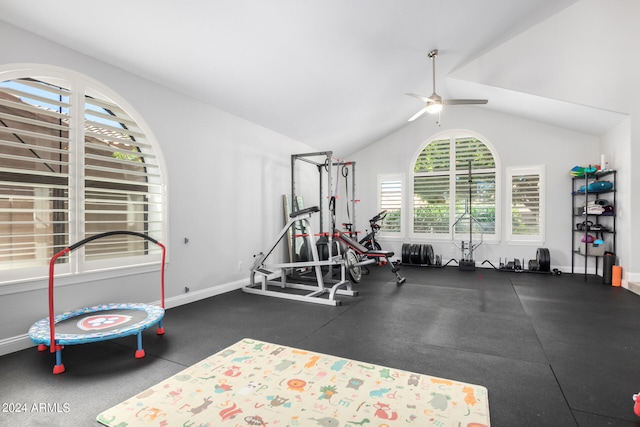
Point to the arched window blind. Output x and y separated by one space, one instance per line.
443 173
73 163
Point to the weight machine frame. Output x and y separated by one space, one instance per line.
467 262
324 166
289 273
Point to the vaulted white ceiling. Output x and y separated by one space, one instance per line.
333 73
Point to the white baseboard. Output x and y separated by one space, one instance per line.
633 287
198 295
632 277
13 344
21 342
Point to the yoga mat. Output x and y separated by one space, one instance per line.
255 383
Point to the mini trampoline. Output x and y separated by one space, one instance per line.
100 322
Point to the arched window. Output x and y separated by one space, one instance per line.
454 173
74 162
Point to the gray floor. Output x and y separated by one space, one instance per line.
552 350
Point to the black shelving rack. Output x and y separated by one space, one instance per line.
604 225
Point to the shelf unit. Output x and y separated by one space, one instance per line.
602 226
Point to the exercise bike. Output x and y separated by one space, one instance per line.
358 255
369 241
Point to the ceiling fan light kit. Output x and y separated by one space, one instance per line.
434 107
435 101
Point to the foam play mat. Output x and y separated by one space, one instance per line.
254 383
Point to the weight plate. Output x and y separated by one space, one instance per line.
533 265
544 259
430 256
350 260
415 254
547 265
423 254
303 256
406 253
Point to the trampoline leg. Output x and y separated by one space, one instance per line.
42 347
160 330
59 368
140 350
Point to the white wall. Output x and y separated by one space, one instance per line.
631 269
518 142
615 146
225 177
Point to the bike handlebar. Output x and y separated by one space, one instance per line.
379 217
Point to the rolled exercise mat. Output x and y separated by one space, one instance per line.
616 280
608 261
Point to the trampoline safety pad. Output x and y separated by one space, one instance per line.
97 323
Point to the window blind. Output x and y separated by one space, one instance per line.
391 201
525 204
34 172
434 157
122 181
475 151
431 204
482 203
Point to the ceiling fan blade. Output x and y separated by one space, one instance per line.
418 114
420 97
435 102
464 101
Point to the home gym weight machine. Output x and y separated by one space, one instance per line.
310 261
312 265
287 275
353 254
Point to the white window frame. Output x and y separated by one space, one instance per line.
80 85
452 135
393 177
521 238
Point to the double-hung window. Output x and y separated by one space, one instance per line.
454 177
73 163
390 191
525 201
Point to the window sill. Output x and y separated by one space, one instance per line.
66 279
431 239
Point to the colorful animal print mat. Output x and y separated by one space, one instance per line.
254 383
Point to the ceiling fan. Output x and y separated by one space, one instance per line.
435 101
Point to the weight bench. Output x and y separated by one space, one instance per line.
371 256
